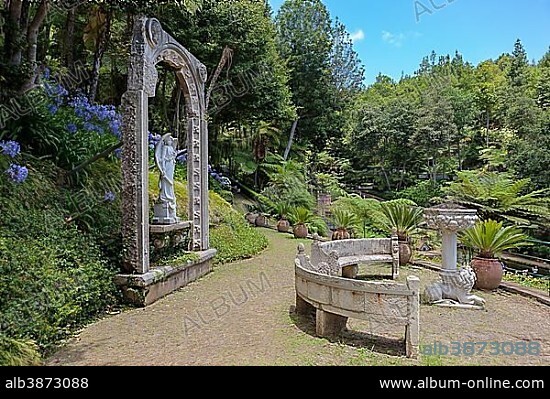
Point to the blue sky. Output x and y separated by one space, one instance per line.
392 36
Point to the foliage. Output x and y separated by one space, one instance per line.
282 209
301 215
367 211
499 196
53 277
68 129
421 193
344 220
15 352
235 240
490 238
402 218
324 69
317 225
288 184
528 281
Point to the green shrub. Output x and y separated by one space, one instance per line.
421 193
319 226
52 285
53 276
236 240
15 352
367 211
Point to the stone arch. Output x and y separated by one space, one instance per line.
151 45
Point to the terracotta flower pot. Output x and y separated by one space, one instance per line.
341 234
489 273
261 221
405 253
283 226
301 231
251 218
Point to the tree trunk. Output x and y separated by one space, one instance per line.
291 139
488 126
387 178
32 41
13 33
34 29
68 51
227 57
102 43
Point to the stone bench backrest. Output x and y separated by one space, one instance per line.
377 246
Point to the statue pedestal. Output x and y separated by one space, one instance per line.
165 214
455 286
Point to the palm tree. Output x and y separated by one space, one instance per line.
490 238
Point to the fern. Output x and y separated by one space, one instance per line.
499 196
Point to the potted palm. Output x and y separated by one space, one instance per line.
402 219
489 238
345 222
301 217
283 209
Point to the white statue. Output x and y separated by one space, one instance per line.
454 287
165 159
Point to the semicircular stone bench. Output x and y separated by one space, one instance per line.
344 256
335 299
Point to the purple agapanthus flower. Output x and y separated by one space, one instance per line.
18 174
52 109
153 140
182 159
10 148
72 128
109 196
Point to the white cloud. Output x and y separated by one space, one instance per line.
398 39
357 36
393 39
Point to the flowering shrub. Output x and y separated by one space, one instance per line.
64 127
11 149
94 118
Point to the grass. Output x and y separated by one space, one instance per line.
542 284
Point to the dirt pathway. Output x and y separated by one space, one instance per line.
241 315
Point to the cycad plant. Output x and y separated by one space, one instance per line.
490 238
401 218
301 217
345 223
283 210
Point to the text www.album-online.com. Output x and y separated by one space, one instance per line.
485 383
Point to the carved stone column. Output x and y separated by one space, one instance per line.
455 285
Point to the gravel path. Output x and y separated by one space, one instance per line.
242 315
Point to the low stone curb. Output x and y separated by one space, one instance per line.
505 285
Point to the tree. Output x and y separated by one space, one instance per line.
305 43
347 69
436 132
499 196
